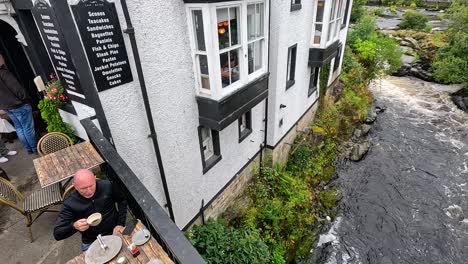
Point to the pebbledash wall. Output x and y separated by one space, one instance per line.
162 37
163 42
287 29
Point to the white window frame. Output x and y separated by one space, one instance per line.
326 23
213 52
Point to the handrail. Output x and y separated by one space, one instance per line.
141 202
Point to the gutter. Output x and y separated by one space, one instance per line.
131 33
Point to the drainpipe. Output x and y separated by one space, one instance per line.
131 33
266 100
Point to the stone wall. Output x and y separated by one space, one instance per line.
281 152
232 191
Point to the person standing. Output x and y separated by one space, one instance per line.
16 102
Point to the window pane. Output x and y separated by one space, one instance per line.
198 29
207 143
251 22
261 18
234 59
230 71
330 27
258 55
337 28
223 28
204 75
333 10
320 9
234 25
318 34
255 17
255 56
225 76
292 63
251 57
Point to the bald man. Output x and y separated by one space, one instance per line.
91 196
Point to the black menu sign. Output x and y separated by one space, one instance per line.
102 38
57 48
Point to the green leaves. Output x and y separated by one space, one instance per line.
218 243
51 116
413 19
451 62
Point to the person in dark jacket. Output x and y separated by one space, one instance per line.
91 196
16 102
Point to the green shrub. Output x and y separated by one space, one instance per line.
218 243
358 10
280 207
413 19
362 30
441 16
393 9
327 198
51 116
451 62
378 11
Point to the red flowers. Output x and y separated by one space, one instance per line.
55 91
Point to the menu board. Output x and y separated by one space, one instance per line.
100 31
57 48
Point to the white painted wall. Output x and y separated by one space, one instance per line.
286 29
168 70
163 42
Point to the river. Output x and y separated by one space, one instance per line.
406 202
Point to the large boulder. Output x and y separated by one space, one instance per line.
460 98
359 150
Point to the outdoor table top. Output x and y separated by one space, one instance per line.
148 251
63 164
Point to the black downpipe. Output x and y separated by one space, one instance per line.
131 33
266 100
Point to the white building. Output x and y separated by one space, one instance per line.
219 83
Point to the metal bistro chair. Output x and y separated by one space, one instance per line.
52 142
37 203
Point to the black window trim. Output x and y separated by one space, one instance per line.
211 162
290 83
296 5
315 80
336 63
244 134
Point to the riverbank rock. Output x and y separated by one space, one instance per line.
371 118
359 150
460 99
412 43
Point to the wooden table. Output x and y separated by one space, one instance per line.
149 250
63 164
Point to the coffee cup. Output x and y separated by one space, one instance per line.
94 219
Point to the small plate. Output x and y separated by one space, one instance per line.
140 237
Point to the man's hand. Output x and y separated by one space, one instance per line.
118 229
81 225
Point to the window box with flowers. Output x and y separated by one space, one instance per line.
55 97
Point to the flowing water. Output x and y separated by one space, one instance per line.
407 201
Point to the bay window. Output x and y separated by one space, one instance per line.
328 21
228 41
